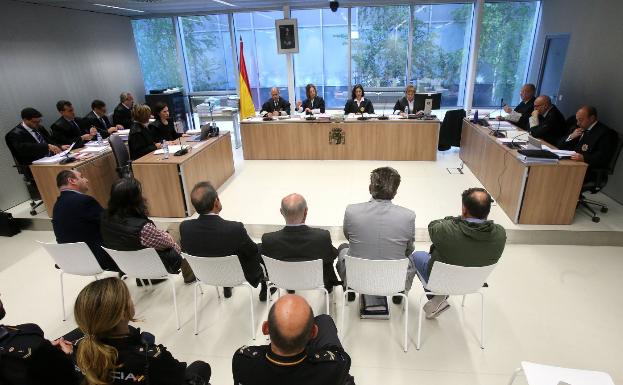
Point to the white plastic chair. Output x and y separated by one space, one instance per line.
377 277
145 264
219 271
539 374
72 258
300 275
448 280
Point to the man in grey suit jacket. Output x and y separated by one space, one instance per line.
379 229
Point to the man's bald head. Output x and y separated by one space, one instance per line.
294 209
274 93
290 324
476 203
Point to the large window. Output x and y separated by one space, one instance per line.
155 43
207 48
323 55
266 69
441 36
384 48
504 55
379 38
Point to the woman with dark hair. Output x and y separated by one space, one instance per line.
358 104
141 140
163 128
125 226
107 350
314 104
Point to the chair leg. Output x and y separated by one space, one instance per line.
218 294
463 301
326 297
482 320
252 313
196 323
177 316
419 324
344 300
515 374
406 311
62 295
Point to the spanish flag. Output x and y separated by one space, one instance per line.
246 101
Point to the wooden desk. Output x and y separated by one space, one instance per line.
99 169
363 140
543 194
167 183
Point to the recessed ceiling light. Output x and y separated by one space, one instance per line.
123 9
225 3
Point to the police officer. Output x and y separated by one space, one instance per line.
303 350
27 358
103 310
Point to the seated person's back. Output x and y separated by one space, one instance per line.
76 216
212 236
106 349
303 350
379 229
299 242
27 358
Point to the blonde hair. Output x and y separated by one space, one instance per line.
141 113
409 87
100 306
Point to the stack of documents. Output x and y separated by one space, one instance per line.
173 148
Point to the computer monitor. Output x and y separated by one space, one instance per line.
420 101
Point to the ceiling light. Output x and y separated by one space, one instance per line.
224 3
123 9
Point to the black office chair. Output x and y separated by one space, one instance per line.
29 181
599 181
122 156
450 130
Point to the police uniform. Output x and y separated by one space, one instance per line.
142 362
27 358
327 365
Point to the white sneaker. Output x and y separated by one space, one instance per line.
434 304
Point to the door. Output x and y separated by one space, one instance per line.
552 65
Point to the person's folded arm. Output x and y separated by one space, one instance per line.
158 239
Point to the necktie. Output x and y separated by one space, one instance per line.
73 122
39 136
103 123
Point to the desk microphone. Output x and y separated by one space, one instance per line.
182 151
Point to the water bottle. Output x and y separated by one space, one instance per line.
406 110
99 139
165 149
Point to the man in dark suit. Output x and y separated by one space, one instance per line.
276 105
546 122
212 236
97 118
76 216
592 141
299 242
67 129
29 140
123 112
521 114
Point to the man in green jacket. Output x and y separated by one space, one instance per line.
468 240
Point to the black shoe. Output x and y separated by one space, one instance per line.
263 292
291 291
397 299
146 282
351 296
227 292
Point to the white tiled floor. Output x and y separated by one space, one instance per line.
559 305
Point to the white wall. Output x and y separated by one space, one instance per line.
49 53
593 73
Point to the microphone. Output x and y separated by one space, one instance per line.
496 133
182 151
382 117
512 145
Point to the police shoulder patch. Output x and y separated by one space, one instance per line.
251 351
